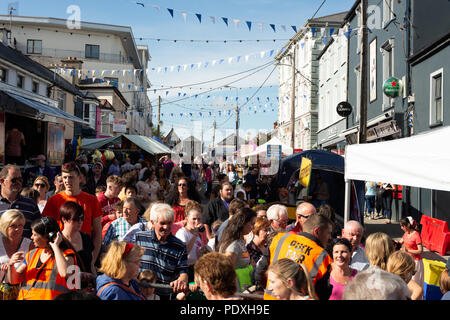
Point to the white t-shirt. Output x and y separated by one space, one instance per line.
359 260
24 246
185 236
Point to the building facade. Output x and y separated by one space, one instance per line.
106 54
304 47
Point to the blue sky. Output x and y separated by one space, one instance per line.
149 22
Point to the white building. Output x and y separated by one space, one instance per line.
333 61
102 49
305 46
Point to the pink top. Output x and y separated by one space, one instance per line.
411 242
338 289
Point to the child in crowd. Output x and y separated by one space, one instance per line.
31 193
106 220
413 246
145 277
214 227
130 191
99 189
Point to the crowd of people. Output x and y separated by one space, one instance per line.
163 231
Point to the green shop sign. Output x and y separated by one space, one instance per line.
392 87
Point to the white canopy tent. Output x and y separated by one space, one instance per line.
420 161
286 150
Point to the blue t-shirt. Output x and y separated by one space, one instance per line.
371 190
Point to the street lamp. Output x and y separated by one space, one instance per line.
236 138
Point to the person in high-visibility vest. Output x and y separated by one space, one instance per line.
47 272
307 248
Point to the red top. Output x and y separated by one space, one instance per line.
89 203
179 212
411 242
106 203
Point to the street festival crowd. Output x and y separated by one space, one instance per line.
142 230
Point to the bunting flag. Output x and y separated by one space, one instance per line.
225 20
294 28
249 25
199 16
273 27
170 11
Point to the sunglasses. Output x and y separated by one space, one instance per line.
14 180
41 185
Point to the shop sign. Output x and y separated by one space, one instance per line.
382 130
392 87
120 125
344 109
273 151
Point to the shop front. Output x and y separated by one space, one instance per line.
39 125
330 138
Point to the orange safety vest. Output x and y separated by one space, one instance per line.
301 248
43 283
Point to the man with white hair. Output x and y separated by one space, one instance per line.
278 216
376 284
353 232
165 254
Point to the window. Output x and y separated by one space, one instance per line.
92 51
2 75
436 93
34 46
89 114
20 81
388 68
35 87
105 129
61 98
388 11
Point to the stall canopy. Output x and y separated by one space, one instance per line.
321 160
286 150
421 161
145 143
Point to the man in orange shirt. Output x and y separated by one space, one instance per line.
92 210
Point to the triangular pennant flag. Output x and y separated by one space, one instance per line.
225 20
294 28
273 27
178 68
283 27
213 19
230 59
262 54
302 44
199 17
331 31
260 24
324 40
238 58
184 14
249 25
322 32
246 58
271 52
313 30
170 11
347 34
221 60
236 23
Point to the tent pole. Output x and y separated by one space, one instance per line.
347 200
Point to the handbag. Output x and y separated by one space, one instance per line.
8 291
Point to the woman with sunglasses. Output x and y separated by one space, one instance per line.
72 217
42 186
179 197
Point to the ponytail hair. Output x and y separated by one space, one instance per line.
288 269
410 223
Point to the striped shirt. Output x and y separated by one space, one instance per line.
167 259
27 206
118 229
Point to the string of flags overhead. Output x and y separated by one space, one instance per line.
199 17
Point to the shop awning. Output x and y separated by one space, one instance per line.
44 109
145 143
148 144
